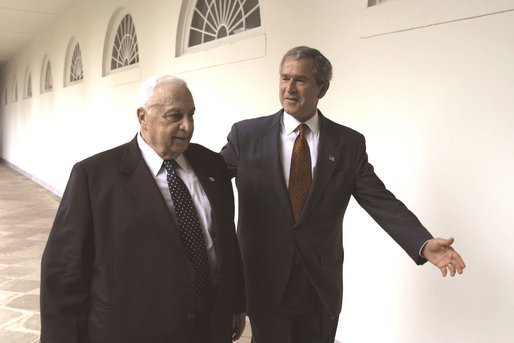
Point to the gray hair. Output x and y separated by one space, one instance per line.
322 66
146 91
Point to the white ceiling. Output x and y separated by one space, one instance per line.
22 20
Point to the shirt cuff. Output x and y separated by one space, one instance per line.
421 250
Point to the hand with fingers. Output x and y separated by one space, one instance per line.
441 254
238 324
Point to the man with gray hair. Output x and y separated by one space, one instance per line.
143 246
295 173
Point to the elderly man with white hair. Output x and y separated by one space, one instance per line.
143 246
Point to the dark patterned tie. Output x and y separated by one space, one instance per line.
300 177
191 234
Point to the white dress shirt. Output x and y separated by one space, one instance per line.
188 176
288 133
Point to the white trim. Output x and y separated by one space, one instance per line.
118 77
402 15
240 50
33 178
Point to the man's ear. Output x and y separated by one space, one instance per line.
323 89
141 114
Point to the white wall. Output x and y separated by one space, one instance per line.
435 104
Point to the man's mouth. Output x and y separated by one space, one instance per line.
181 138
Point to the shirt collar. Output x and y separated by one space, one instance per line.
290 123
154 161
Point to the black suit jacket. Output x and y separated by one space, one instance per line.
114 268
269 238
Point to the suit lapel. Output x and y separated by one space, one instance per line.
328 155
268 152
149 206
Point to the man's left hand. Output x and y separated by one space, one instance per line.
440 252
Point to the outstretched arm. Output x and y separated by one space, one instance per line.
441 254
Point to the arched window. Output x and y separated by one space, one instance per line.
121 49
28 84
374 2
47 83
73 72
210 20
15 90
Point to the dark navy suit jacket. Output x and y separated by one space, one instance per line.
269 238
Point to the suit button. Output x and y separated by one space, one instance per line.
191 316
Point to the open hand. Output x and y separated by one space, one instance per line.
441 254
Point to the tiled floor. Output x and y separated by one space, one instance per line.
26 215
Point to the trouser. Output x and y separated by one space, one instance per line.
302 317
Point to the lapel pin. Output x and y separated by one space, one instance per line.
211 178
332 158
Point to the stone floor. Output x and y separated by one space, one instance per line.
26 215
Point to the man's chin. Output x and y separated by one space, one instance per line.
292 110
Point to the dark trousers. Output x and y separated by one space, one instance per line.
302 318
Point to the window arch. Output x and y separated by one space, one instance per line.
121 49
73 68
207 21
47 83
15 90
374 2
28 84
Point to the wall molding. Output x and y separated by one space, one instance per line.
402 15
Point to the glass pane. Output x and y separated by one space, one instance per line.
125 50
214 19
76 69
48 77
29 86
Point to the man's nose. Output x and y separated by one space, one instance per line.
187 124
291 86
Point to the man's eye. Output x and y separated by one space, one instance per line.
173 116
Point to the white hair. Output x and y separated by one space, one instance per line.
148 87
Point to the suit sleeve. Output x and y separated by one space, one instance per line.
230 151
239 284
390 213
66 265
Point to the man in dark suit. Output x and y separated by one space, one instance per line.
294 183
125 262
